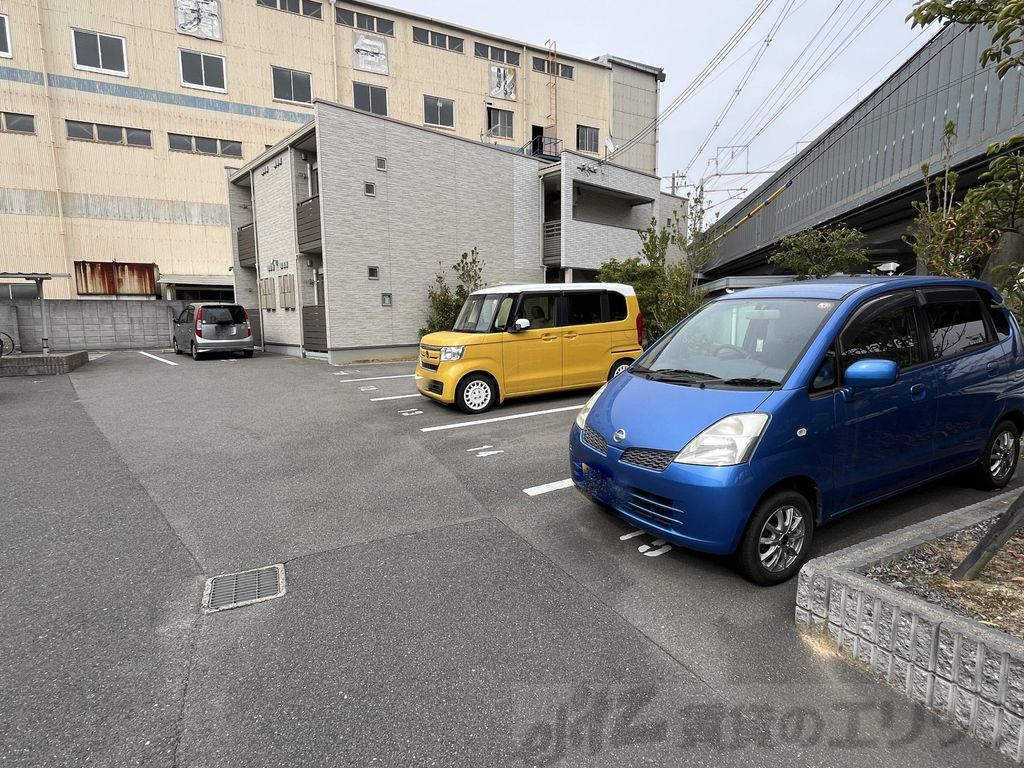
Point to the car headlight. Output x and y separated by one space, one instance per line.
581 417
451 353
727 442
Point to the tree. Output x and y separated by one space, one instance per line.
951 237
1004 17
444 302
822 252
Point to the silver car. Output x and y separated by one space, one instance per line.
212 328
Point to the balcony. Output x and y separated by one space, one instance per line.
307 225
552 249
247 245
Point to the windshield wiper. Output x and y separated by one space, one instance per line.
751 382
682 373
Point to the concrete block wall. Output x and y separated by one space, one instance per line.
967 673
440 196
96 325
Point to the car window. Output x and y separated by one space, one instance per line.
183 317
223 315
504 308
887 332
616 306
1000 321
825 377
539 309
955 327
584 307
190 315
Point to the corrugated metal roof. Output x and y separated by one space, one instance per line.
227 280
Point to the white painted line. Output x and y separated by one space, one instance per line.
368 388
537 490
376 378
461 424
479 448
160 359
341 373
659 552
411 412
484 454
631 535
393 397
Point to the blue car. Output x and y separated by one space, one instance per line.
772 411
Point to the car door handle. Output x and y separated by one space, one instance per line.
993 369
571 335
548 337
918 392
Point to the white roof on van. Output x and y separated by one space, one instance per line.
625 290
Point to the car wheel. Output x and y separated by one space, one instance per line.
195 352
476 393
174 343
777 540
246 353
619 367
999 461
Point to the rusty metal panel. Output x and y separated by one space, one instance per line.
102 278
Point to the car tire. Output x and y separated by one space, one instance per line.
174 344
999 460
477 393
195 352
246 353
618 367
785 516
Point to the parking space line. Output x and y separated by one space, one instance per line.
375 378
558 485
461 424
393 397
631 535
158 359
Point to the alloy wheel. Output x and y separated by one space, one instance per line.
477 395
782 539
1002 456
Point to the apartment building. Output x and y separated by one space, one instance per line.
118 120
340 229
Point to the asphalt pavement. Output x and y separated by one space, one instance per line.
436 613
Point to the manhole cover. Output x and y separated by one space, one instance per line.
231 590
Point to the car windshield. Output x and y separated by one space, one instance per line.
736 343
223 315
483 313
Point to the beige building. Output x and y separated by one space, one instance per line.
117 120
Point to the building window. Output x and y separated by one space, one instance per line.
369 189
385 299
201 145
99 53
13 122
370 98
499 122
376 24
108 134
493 53
202 70
382 163
373 273
292 85
586 138
436 39
311 8
5 38
437 111
545 65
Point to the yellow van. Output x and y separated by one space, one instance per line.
515 340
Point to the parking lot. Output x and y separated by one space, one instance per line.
451 600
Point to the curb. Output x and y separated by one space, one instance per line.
963 671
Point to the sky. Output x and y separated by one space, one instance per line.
684 37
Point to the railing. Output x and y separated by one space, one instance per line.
542 146
307 224
247 245
552 246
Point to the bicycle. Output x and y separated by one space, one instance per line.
6 344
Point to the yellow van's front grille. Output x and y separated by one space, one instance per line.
430 357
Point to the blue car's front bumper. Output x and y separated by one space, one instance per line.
703 508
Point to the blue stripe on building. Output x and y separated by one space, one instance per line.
120 90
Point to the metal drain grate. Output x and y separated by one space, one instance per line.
231 590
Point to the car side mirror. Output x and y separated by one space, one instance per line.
521 324
869 374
